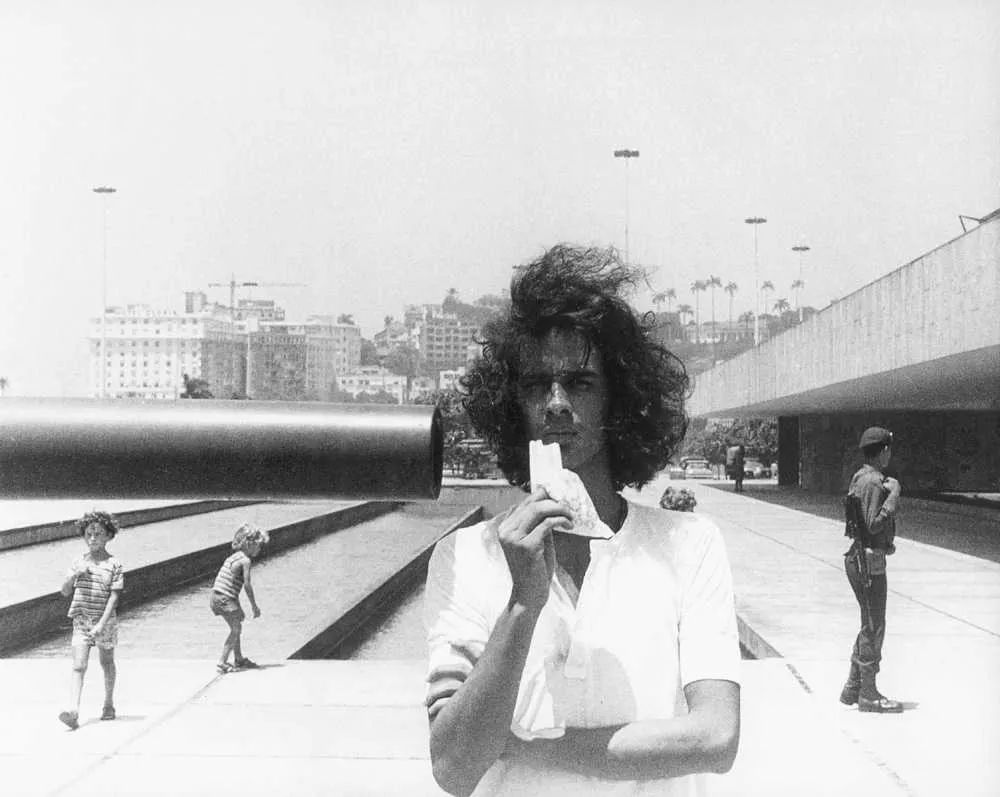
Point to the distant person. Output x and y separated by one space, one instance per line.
233 576
569 664
735 462
872 499
95 581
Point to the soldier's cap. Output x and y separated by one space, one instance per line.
873 435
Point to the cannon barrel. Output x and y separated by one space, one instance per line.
84 448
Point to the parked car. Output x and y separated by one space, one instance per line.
675 470
697 469
755 469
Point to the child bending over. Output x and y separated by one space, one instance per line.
233 576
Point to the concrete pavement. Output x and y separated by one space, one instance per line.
357 727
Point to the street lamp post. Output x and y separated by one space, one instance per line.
105 191
801 249
626 154
755 221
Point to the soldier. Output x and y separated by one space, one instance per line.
872 500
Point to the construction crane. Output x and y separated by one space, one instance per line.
233 285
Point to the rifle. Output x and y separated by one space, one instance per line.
857 529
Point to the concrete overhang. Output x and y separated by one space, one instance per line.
968 381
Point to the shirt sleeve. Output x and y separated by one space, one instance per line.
117 576
457 630
708 638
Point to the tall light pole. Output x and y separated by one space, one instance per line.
626 154
755 221
105 191
801 249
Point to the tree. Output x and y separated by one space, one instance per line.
781 305
3 384
731 288
698 286
455 425
369 355
346 318
195 388
712 283
746 319
709 439
797 286
405 361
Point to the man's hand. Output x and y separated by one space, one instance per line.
892 485
256 611
526 539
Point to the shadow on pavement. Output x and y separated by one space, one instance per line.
941 526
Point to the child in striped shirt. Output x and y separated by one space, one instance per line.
233 576
95 581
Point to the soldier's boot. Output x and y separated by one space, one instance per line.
852 687
871 700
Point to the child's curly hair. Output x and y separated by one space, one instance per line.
574 288
247 534
105 520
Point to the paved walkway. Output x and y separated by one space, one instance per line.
357 728
39 569
941 654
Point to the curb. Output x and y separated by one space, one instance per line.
66 529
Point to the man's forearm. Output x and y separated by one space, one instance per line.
642 750
470 731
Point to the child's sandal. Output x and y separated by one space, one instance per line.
108 713
224 668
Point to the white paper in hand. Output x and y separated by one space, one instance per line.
546 470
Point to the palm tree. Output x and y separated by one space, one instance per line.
697 287
712 283
766 285
731 288
781 305
671 294
797 286
745 319
658 299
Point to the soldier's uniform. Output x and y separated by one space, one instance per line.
864 563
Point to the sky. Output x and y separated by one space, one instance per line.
381 153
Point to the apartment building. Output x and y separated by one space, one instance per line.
148 351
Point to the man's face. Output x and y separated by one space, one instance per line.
564 397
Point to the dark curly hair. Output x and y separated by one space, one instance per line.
580 289
104 519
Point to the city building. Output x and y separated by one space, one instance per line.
445 339
148 351
300 362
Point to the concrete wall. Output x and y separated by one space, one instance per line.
932 450
943 304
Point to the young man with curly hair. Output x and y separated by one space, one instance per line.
559 663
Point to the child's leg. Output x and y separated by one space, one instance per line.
233 640
81 657
107 657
